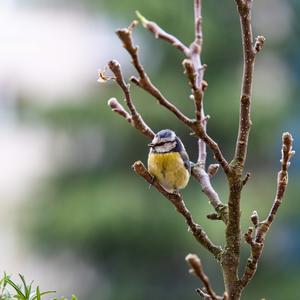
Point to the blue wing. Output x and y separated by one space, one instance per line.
180 148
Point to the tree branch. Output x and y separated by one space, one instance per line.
231 257
197 269
245 9
135 118
262 228
159 33
203 178
179 204
125 35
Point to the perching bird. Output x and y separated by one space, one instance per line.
168 161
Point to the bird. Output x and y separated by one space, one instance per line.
168 161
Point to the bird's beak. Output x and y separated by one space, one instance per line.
150 145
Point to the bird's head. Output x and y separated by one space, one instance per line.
164 141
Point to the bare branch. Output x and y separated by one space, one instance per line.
178 202
202 134
198 89
244 9
203 178
231 258
204 295
144 82
282 181
159 33
264 226
118 108
197 92
197 269
198 20
135 118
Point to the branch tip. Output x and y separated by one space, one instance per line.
197 269
133 25
117 107
254 218
263 227
143 20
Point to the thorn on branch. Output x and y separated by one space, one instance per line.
259 43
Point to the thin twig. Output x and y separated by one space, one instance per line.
159 33
257 242
197 269
125 35
204 295
244 9
118 108
203 178
177 201
135 118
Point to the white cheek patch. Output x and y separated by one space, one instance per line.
167 147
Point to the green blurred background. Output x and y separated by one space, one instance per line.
74 216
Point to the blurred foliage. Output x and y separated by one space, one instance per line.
106 214
23 291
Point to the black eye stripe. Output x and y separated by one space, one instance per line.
163 143
160 144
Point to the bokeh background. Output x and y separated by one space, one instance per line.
73 215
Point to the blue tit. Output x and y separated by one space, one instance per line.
168 161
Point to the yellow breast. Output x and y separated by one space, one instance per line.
169 170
